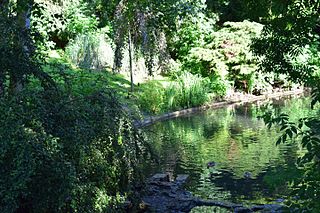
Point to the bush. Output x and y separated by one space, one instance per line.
58 152
227 55
91 50
151 97
219 86
192 32
185 91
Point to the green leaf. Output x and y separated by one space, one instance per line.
305 140
279 140
269 125
284 138
308 124
294 129
298 161
283 127
309 147
313 103
315 140
284 115
289 133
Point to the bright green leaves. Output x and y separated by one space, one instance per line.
151 97
188 90
226 55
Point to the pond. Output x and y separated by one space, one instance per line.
249 167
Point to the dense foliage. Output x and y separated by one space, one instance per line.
67 139
59 153
65 146
18 55
290 45
226 55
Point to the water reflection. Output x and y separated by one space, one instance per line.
249 167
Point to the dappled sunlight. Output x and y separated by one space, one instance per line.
80 81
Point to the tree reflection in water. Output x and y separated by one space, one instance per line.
238 142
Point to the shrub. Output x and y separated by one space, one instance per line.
219 86
185 91
227 56
192 32
58 152
91 50
151 97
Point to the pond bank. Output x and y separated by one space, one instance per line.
164 195
234 100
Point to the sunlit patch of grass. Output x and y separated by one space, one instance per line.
153 96
84 81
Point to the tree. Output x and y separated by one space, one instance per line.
144 22
290 45
286 38
18 55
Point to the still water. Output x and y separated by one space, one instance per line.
250 168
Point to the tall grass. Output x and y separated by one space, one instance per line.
187 91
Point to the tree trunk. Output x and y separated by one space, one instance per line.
130 59
24 8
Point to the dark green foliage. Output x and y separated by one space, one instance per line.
64 145
290 45
306 130
56 150
74 146
239 10
19 58
286 38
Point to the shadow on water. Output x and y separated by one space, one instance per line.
249 168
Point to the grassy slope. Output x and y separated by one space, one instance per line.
84 81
